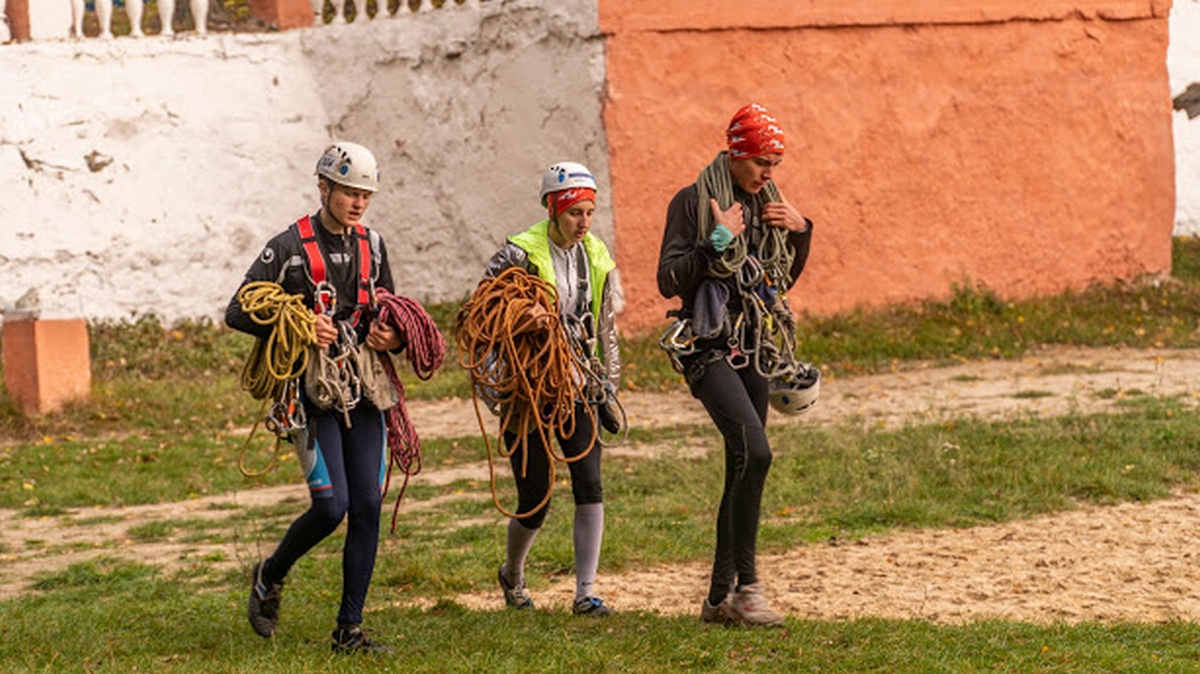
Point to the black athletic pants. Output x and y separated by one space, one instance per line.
737 402
533 485
353 461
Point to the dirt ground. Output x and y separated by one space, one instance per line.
1132 562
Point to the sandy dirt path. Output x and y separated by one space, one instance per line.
1129 562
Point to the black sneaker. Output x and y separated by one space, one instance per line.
263 609
355 640
591 606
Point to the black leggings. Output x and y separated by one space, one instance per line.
354 460
585 473
737 402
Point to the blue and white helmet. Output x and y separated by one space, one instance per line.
564 176
798 393
349 164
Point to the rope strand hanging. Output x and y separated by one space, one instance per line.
511 340
425 348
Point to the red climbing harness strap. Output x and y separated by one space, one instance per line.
316 267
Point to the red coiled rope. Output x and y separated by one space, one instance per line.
426 348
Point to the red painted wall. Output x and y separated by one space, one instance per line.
283 14
1022 144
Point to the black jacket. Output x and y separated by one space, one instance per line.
282 261
683 262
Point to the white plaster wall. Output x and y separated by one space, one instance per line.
49 19
203 148
1183 65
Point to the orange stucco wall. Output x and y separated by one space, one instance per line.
1022 144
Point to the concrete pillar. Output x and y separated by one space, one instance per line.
48 20
283 14
5 35
46 362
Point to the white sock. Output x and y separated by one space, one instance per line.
589 530
519 542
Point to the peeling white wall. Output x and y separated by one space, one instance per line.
143 176
202 148
1183 65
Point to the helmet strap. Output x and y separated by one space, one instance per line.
556 233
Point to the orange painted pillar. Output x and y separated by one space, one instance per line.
46 362
283 14
17 12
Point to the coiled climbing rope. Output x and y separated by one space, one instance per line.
276 362
511 341
425 348
716 182
284 354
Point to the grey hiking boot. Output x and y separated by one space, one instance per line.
716 615
263 608
749 607
515 595
354 639
591 606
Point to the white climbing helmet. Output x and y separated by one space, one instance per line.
798 393
564 176
349 164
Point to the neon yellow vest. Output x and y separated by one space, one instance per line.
536 243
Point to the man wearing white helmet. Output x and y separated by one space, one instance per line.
335 263
562 251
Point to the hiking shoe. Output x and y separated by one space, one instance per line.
355 640
516 596
750 607
717 615
263 609
591 606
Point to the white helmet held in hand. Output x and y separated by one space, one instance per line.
564 176
349 164
798 393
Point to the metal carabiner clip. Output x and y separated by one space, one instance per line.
325 298
672 339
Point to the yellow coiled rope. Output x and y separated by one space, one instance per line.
277 361
512 343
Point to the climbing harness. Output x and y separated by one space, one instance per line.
426 349
512 341
597 392
273 367
335 376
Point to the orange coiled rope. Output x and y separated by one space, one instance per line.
512 343
426 349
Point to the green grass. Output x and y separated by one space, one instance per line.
841 482
166 422
117 622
